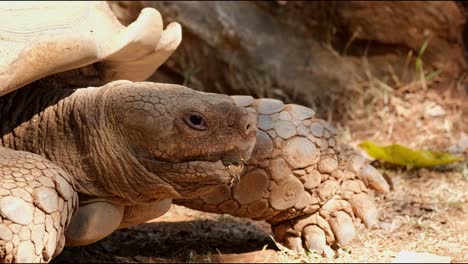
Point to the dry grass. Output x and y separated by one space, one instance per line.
426 211
429 111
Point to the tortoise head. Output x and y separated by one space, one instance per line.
188 139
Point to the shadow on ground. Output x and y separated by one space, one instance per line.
195 240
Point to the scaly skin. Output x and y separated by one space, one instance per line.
311 189
298 179
122 144
37 202
103 135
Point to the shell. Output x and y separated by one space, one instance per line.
77 34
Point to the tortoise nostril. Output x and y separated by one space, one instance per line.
247 124
249 129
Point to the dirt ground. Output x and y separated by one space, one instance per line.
426 211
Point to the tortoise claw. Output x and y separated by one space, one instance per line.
343 227
314 238
294 243
313 232
373 179
364 208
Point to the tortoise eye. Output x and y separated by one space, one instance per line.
195 121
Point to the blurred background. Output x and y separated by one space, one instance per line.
385 71
390 71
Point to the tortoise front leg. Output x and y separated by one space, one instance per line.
37 201
299 180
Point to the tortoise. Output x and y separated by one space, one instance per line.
89 147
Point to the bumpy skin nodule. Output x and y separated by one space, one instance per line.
299 179
37 201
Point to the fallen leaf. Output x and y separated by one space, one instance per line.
401 155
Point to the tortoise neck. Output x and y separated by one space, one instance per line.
25 116
44 121
70 128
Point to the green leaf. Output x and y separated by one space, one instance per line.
420 54
401 155
423 48
431 75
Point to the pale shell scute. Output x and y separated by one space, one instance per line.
301 152
265 122
242 100
299 112
316 129
268 106
285 129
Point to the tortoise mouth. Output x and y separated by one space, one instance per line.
195 177
233 160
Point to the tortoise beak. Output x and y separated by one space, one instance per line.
238 157
232 159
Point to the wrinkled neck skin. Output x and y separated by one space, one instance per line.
72 129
